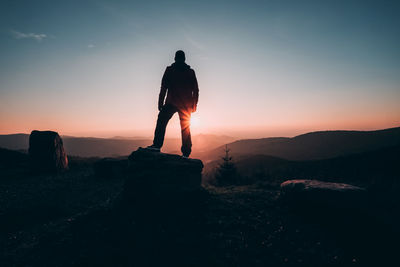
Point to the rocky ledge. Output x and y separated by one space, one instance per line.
154 175
323 194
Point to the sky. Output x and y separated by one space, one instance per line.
264 68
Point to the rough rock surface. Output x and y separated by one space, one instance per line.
318 193
152 175
46 151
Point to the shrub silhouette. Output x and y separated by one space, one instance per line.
226 173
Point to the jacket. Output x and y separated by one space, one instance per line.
179 85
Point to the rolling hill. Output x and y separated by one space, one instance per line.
365 168
310 146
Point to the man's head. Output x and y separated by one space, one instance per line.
180 56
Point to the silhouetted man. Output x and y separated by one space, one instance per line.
179 85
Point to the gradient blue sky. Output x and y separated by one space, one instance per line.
264 67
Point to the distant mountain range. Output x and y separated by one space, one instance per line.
310 146
117 146
328 155
371 167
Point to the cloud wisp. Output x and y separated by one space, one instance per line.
35 36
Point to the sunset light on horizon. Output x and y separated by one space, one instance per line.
199 133
267 68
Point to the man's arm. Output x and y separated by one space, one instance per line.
163 90
195 93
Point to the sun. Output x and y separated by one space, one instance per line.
194 121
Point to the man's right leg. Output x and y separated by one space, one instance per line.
184 117
164 116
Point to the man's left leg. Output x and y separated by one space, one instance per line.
184 117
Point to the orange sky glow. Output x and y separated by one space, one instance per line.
95 69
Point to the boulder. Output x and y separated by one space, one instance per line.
158 177
164 199
46 151
323 194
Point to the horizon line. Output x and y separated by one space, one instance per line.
215 134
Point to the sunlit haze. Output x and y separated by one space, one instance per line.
265 68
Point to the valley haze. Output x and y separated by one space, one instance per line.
307 146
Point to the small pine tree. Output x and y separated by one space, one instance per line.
226 173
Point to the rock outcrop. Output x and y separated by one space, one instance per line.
163 196
158 177
46 151
323 194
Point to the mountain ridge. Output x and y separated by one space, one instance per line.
308 146
311 146
114 147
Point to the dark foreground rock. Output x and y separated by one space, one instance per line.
162 194
46 151
318 193
160 174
